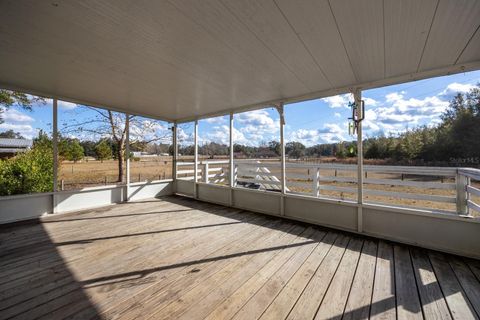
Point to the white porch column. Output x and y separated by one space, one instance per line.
127 154
55 154
357 94
175 156
231 164
195 169
283 178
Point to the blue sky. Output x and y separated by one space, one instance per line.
389 110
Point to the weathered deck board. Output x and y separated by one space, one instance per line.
178 258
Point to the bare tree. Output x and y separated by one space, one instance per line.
103 124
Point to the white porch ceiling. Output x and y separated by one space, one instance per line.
183 59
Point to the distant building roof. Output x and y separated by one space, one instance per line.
15 143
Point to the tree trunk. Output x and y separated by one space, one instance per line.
120 158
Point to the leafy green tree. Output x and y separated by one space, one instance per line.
74 151
103 151
295 149
10 134
30 171
340 151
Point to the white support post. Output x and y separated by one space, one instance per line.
175 156
357 94
283 177
195 161
55 154
127 154
462 195
231 165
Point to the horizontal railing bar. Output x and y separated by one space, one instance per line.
473 190
340 189
185 163
299 184
472 205
277 183
417 184
470 172
256 173
299 176
337 179
410 195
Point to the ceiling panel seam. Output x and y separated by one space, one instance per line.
225 43
384 44
428 36
303 43
468 42
343 42
264 44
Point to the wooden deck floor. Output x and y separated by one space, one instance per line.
180 259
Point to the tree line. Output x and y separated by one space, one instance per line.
453 141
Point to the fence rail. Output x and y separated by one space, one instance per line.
444 185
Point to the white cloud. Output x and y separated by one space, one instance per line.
150 130
216 120
13 115
454 88
25 130
339 101
183 137
66 105
342 101
257 126
221 134
337 115
399 113
330 133
369 102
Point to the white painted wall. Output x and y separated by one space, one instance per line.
25 207
444 232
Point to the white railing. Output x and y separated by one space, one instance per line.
451 186
205 173
468 195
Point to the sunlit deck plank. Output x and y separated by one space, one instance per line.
178 258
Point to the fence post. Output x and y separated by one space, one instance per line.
315 177
235 170
461 182
205 172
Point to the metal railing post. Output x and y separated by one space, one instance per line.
462 195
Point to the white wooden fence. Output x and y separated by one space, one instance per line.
318 179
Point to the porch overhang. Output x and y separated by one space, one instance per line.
184 60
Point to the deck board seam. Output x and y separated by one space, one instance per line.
333 276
